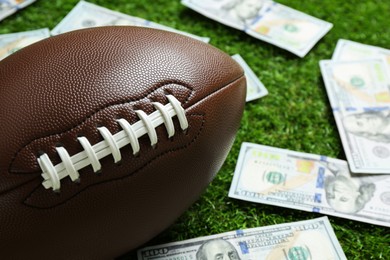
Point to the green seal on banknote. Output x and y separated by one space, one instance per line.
291 27
298 253
381 151
385 197
357 82
275 177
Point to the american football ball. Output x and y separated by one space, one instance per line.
107 136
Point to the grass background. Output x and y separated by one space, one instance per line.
296 114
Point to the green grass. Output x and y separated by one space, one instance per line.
295 115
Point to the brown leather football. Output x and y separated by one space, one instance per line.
107 136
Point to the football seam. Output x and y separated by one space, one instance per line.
148 93
123 177
158 86
146 164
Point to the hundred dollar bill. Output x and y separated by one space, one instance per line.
359 93
8 7
351 51
310 182
310 239
269 21
85 15
255 88
12 42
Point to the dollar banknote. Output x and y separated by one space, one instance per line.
8 7
266 20
359 93
309 239
86 15
255 88
351 51
12 42
310 182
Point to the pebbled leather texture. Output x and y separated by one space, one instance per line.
66 86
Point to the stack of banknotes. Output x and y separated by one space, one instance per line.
295 180
357 81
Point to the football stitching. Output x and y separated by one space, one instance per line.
146 164
111 143
148 93
126 176
217 90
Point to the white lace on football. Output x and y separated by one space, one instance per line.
112 144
